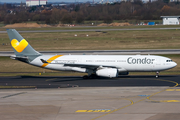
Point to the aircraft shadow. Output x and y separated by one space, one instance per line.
71 81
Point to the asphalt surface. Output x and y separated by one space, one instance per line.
73 98
103 52
67 82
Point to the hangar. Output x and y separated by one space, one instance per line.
170 20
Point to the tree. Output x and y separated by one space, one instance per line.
73 15
0 18
79 19
48 21
55 17
108 19
36 17
66 19
77 8
165 8
9 19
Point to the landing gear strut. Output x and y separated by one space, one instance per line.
157 74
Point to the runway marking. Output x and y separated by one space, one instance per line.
163 91
144 99
172 89
115 110
95 110
169 101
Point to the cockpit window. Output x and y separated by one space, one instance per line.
169 61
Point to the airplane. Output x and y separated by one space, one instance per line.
109 66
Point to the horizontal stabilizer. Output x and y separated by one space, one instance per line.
23 58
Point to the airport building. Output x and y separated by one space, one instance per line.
170 20
36 2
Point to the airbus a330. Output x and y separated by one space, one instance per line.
94 65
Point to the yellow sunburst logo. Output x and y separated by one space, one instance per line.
19 46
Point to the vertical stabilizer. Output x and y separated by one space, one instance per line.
21 47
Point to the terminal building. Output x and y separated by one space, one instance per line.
170 20
35 2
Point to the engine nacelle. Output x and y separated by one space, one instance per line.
123 71
107 72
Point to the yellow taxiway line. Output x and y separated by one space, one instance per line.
144 99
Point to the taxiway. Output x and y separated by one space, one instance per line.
72 98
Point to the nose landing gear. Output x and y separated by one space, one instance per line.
157 74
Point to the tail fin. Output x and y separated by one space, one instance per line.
21 47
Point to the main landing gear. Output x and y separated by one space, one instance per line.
92 76
157 74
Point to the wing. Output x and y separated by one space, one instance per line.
88 66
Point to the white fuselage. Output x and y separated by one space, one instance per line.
123 63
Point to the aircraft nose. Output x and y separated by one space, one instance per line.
175 64
172 65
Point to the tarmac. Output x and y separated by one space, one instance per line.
72 98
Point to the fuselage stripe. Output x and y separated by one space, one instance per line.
50 60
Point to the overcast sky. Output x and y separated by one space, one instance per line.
18 1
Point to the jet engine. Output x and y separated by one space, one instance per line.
107 72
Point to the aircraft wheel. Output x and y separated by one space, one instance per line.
85 77
157 74
93 76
